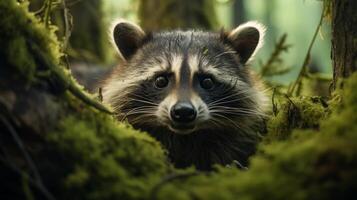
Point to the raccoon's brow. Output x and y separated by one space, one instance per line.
176 64
194 64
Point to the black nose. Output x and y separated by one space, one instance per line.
183 112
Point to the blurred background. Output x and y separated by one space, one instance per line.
86 24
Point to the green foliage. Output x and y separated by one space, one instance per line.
274 65
17 27
297 112
87 153
105 159
327 7
343 121
33 51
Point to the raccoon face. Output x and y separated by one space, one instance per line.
185 81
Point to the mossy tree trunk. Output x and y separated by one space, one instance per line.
344 38
172 14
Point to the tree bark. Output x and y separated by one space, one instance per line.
344 39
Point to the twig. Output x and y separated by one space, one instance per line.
47 13
275 107
303 69
280 47
67 82
72 3
67 19
76 91
100 95
39 11
55 6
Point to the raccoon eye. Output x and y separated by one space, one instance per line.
161 82
207 83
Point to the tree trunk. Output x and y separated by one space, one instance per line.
172 14
89 35
344 38
238 12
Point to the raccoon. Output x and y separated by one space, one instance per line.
191 90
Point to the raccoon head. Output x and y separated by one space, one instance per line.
185 81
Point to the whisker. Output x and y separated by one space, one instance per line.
226 97
220 101
144 101
140 97
256 110
226 52
235 124
216 122
241 113
141 108
246 137
233 100
139 119
123 104
226 109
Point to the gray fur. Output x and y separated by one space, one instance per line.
235 105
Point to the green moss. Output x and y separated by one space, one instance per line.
106 159
21 31
87 154
298 112
30 50
22 58
343 121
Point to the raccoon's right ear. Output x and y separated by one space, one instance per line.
128 37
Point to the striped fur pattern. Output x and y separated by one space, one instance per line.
229 113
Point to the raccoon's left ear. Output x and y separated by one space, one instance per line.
246 39
128 37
